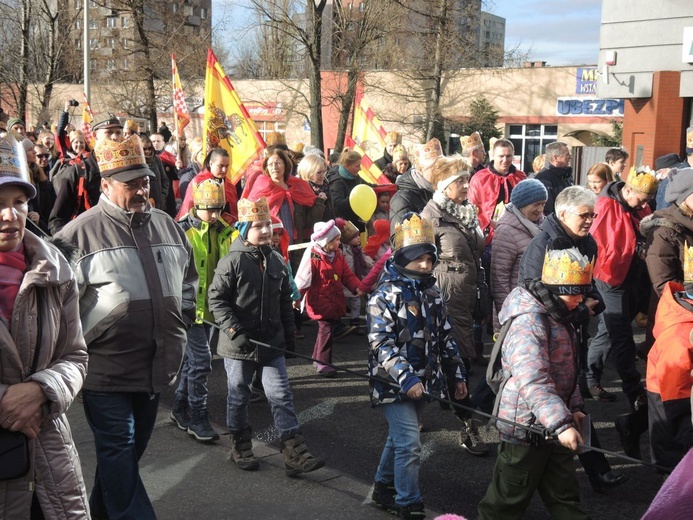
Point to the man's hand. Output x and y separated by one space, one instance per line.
416 391
21 408
460 391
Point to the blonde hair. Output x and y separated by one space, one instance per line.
447 166
348 157
77 134
538 163
309 165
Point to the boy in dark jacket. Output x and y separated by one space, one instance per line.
250 298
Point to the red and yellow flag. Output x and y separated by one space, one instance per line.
87 118
180 108
227 123
368 139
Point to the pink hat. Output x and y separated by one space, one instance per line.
324 233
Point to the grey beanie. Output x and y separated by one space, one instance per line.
680 185
528 192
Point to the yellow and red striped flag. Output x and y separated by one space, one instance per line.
227 123
180 107
368 139
87 118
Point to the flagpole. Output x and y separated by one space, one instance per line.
174 68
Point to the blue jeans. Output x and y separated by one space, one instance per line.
401 458
275 381
122 424
196 368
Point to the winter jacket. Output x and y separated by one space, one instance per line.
540 362
75 196
340 189
325 297
532 260
488 188
410 338
556 179
305 218
159 185
137 280
384 160
616 229
666 233
46 307
210 243
186 175
413 193
349 255
510 240
459 252
250 298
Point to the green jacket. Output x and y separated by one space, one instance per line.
209 244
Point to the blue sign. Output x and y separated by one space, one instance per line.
589 107
586 81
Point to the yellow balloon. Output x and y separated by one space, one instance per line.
363 201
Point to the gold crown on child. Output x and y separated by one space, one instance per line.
687 263
643 180
209 194
415 230
568 269
249 211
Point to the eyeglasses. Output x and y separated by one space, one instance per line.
42 155
585 216
147 148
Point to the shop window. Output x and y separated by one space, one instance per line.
266 127
530 141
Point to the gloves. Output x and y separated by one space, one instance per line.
241 342
290 342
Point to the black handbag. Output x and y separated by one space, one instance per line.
483 308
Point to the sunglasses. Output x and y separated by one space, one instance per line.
42 155
147 148
585 216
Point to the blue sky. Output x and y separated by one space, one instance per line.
559 32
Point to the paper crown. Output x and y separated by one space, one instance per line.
643 180
249 211
14 168
400 152
116 157
209 194
689 140
471 141
429 153
348 229
393 138
567 271
687 264
415 230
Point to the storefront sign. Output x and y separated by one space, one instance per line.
589 107
266 111
586 81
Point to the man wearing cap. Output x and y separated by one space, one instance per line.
78 187
473 149
16 125
137 281
392 139
557 174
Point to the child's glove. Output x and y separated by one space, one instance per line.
241 342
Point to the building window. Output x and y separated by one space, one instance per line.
174 7
351 6
266 127
203 13
124 41
111 22
78 43
93 24
92 64
126 64
111 43
362 6
94 4
530 141
188 10
110 64
78 4
78 24
124 22
93 43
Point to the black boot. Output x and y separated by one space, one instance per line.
297 458
180 413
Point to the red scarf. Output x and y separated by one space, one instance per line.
12 269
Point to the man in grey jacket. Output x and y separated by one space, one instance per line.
137 285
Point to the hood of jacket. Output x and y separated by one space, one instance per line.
671 217
520 301
670 313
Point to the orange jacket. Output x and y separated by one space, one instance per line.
670 360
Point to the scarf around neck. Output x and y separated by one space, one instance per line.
464 213
12 269
533 228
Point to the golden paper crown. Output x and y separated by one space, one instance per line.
209 194
349 231
416 230
689 138
643 180
567 271
115 157
429 153
249 211
400 152
393 138
471 141
687 263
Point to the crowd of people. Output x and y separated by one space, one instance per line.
138 246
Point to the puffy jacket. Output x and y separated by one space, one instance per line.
325 297
137 282
540 361
209 243
456 271
73 195
413 193
340 189
487 188
410 338
513 235
250 296
556 179
47 305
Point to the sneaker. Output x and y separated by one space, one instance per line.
180 414
383 495
257 394
470 439
629 439
200 428
412 511
598 393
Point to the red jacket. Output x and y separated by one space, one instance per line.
670 360
614 231
325 298
484 190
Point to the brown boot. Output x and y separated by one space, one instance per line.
297 459
242 451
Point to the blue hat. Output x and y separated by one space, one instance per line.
528 192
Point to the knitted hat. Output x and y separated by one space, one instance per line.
312 150
14 121
680 185
13 166
528 192
667 161
124 161
27 144
324 232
